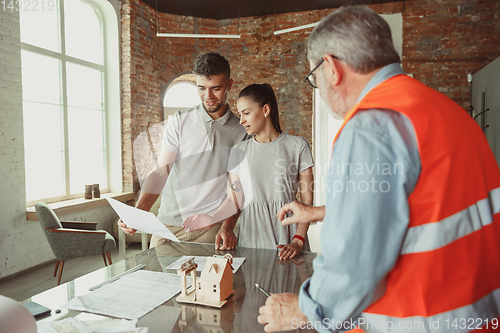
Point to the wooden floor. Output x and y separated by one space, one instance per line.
35 282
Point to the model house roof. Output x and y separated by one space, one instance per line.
214 269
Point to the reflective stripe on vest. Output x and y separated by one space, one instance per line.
449 264
432 236
464 319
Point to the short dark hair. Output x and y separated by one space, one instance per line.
263 94
212 64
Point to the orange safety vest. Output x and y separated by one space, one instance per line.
447 276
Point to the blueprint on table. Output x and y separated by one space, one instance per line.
132 296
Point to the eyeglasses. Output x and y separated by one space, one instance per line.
311 77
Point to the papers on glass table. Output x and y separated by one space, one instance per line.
141 220
237 262
73 325
132 296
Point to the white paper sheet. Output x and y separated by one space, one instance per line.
114 326
74 325
141 220
132 296
237 262
68 325
45 327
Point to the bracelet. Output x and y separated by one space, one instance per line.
299 238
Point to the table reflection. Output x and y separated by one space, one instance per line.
238 315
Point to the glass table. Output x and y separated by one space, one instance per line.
238 315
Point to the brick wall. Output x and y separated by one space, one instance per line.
443 41
149 64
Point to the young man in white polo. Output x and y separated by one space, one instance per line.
191 170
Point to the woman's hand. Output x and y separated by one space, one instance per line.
290 250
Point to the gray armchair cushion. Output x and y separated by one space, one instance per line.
109 243
72 243
46 216
67 244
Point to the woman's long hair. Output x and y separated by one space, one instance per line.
263 94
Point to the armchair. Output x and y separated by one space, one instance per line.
70 240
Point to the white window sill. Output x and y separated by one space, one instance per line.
66 207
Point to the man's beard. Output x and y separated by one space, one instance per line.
331 98
218 106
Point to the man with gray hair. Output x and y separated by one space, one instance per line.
411 225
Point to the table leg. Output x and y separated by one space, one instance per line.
144 241
121 244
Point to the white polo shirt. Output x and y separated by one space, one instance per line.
198 180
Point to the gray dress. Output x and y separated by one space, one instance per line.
269 174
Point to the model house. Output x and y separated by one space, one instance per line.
213 287
216 282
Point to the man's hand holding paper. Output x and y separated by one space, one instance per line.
127 230
136 219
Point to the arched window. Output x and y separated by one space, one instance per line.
65 99
180 95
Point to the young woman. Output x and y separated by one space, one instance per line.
265 173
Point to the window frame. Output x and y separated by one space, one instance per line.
110 69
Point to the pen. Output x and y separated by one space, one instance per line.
260 288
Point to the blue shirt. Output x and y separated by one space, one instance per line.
374 168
